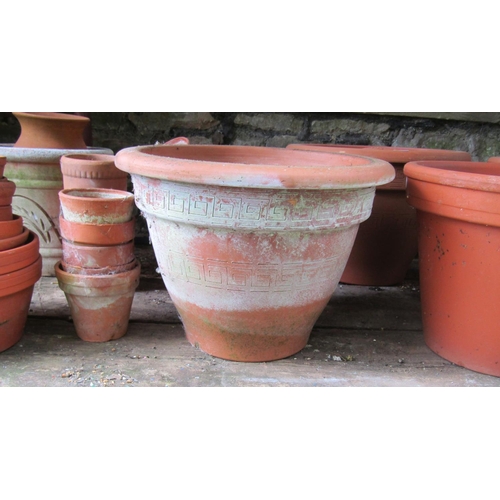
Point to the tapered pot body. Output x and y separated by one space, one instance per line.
387 242
251 242
100 305
458 209
3 161
37 175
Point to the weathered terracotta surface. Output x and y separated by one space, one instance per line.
16 290
251 242
14 241
92 171
387 242
96 206
51 130
97 257
104 270
100 305
458 208
22 256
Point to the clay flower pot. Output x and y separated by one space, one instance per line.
92 171
100 305
12 227
22 256
14 241
97 234
458 210
6 213
105 270
387 242
7 190
51 130
250 241
97 257
16 290
3 161
96 206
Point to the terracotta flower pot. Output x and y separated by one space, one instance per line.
250 241
494 159
7 190
22 256
3 161
97 234
14 241
51 130
387 242
16 290
458 209
92 171
10 228
96 206
97 257
101 271
6 213
100 305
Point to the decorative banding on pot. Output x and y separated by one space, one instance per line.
14 241
96 206
21 256
96 257
11 228
16 291
100 305
97 234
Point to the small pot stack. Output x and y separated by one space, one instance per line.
20 266
98 271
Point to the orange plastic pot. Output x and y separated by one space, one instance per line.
250 241
19 257
97 257
96 206
97 234
100 305
92 171
387 242
458 210
16 290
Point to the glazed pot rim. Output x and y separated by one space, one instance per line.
254 167
392 154
480 176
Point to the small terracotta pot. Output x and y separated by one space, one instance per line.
387 242
96 206
14 241
458 210
16 290
11 228
7 190
100 305
97 234
494 159
92 171
101 271
22 256
97 257
3 161
6 213
51 130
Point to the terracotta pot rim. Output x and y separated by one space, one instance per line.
480 176
392 154
89 159
11 228
255 167
99 271
14 241
97 234
97 195
20 279
44 155
63 117
29 246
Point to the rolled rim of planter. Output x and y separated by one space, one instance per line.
105 270
257 167
11 228
91 166
494 159
96 205
14 241
97 234
21 278
21 256
43 155
473 194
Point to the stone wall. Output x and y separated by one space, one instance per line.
477 133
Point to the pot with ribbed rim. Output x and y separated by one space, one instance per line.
251 241
387 242
458 211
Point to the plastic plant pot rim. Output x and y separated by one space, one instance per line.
479 176
21 279
41 155
254 167
392 154
105 285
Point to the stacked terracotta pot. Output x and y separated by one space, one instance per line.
98 271
20 266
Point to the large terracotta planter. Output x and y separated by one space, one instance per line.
16 290
387 242
250 241
92 171
51 130
458 209
100 305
